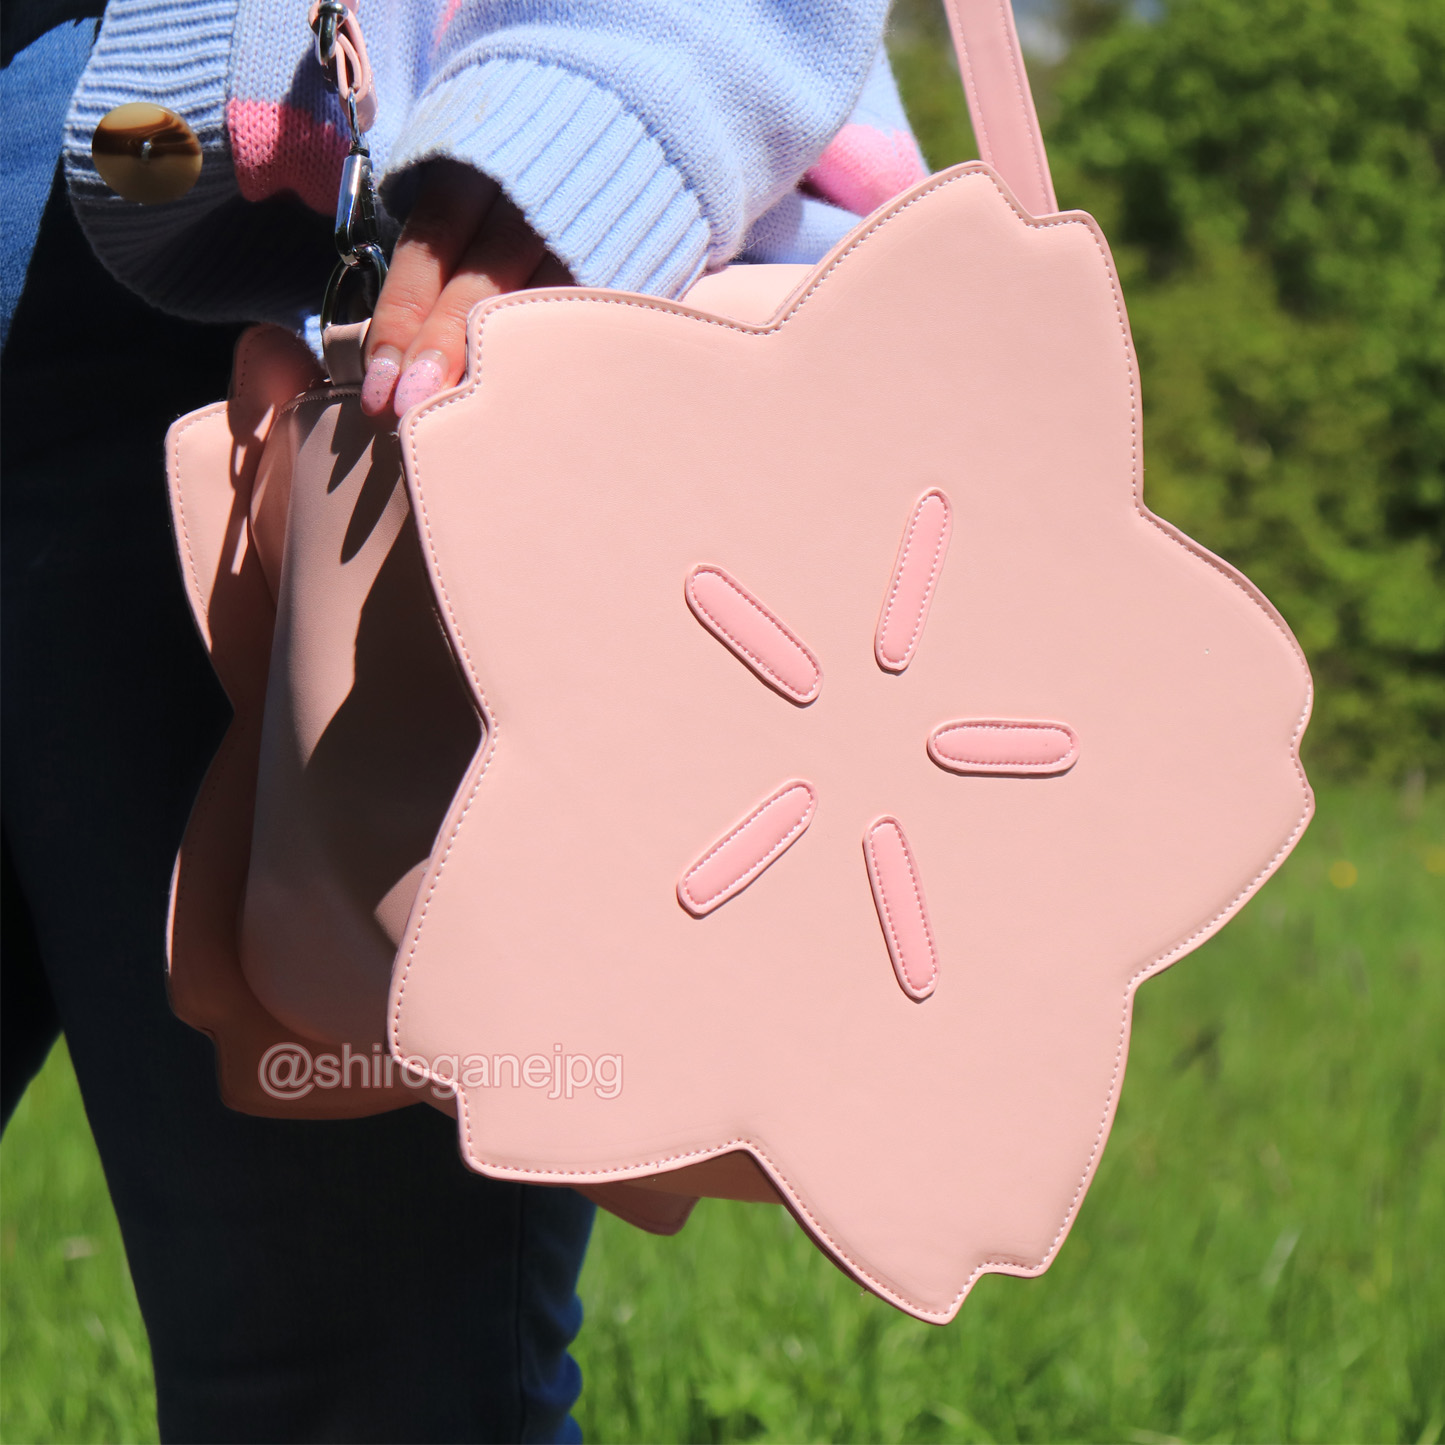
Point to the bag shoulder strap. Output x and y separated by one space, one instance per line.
1005 123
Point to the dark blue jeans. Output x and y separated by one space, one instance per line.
300 1281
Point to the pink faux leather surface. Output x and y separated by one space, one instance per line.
623 735
747 848
760 640
750 294
921 555
368 728
1000 104
902 907
993 745
212 458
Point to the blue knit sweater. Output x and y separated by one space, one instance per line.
646 140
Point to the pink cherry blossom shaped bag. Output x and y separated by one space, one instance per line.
776 792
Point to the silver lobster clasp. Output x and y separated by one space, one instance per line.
341 53
356 224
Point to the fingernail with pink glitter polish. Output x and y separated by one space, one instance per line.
423 378
380 380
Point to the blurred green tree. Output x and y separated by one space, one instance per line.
1269 175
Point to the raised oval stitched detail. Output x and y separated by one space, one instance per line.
898 897
1028 749
634 1156
753 633
747 849
915 575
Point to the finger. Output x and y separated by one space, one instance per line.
451 206
502 256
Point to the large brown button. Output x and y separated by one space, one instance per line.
145 153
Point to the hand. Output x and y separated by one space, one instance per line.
463 242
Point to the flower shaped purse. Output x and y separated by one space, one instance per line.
769 774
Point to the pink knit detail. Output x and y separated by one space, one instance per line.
448 15
863 167
284 148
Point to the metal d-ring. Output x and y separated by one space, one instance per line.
369 266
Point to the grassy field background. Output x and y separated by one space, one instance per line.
1261 1257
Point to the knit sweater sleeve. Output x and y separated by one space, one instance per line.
641 138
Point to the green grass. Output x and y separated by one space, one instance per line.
1261 1257
74 1360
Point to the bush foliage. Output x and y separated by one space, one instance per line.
1269 175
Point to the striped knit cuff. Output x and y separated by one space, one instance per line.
172 53
584 170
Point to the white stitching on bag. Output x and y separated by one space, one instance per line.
966 173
